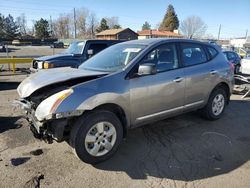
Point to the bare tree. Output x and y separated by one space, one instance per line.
61 26
193 27
112 22
81 22
22 24
92 25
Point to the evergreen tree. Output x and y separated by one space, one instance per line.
8 27
42 29
146 26
1 26
103 26
117 26
170 21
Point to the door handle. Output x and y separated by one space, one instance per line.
213 72
178 79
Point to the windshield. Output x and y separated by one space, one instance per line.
75 48
113 58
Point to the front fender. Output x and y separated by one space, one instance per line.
89 101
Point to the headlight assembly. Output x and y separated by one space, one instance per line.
47 65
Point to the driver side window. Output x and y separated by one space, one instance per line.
164 57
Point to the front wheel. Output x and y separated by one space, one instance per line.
96 136
216 104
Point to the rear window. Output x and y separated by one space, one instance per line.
212 52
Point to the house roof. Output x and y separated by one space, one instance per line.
158 33
113 31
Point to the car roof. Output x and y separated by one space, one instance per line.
159 40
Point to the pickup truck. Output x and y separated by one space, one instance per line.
75 55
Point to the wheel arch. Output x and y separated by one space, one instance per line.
119 112
224 86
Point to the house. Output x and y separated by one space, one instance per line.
117 34
145 34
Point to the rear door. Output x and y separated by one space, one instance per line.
200 73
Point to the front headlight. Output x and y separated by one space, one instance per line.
48 65
40 65
49 105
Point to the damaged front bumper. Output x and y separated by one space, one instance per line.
51 128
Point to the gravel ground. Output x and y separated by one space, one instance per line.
185 151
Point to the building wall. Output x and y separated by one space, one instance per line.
106 37
127 35
238 43
142 37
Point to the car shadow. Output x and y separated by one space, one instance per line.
186 147
7 123
8 85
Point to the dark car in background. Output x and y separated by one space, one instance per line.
2 47
75 55
57 44
234 58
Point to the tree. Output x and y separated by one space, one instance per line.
2 26
61 26
9 27
92 25
42 29
103 26
146 26
117 27
170 21
193 27
81 22
113 22
22 24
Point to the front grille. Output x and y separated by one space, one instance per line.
35 64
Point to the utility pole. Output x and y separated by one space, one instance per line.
51 30
219 32
246 34
75 22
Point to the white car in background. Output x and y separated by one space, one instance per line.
245 65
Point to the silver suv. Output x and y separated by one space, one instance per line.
125 86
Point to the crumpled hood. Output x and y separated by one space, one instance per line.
56 56
47 77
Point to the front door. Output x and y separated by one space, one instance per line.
159 95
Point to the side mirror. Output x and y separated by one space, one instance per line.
147 69
90 52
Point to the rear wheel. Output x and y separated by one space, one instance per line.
216 104
96 136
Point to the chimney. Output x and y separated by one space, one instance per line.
150 33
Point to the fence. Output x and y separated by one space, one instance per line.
13 61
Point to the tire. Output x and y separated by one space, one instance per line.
208 111
88 125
